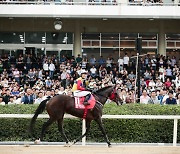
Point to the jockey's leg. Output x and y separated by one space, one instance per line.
87 97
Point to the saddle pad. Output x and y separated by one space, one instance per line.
79 102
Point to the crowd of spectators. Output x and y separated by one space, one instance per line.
28 79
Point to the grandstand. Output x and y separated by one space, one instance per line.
33 32
89 27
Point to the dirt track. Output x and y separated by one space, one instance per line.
88 150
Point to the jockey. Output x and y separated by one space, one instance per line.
80 89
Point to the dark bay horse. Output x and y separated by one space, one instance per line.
61 104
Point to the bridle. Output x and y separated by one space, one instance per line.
111 97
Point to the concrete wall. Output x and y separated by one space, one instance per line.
91 11
90 25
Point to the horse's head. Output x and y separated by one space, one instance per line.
114 96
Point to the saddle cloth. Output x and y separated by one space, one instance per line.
79 102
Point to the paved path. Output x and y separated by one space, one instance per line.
44 149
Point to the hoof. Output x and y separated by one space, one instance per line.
37 141
109 146
69 144
26 145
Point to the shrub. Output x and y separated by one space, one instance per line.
118 130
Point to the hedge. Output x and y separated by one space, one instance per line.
144 131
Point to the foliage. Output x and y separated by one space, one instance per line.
118 130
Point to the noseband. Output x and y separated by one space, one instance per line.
113 95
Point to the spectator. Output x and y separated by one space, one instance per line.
1 67
61 91
160 97
101 61
153 99
48 82
15 92
165 94
51 69
169 73
171 100
131 76
168 83
63 59
92 60
16 75
39 99
84 63
120 63
28 62
126 61
1 101
63 78
162 73
31 77
173 61
11 100
93 71
79 59
144 98
6 97
28 97
159 84
152 83
48 94
177 81
153 63
178 99
46 67
108 63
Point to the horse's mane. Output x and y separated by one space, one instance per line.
103 89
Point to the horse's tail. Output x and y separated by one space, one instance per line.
38 111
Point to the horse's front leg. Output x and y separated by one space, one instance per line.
99 121
87 130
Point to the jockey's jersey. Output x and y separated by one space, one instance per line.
79 84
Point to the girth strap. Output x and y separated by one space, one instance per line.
85 113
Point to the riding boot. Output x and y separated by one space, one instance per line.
87 97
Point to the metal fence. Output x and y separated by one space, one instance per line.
158 117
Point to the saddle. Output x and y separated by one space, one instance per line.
79 102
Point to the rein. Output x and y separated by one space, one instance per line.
107 97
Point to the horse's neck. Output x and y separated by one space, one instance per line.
103 98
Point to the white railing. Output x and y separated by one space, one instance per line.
170 117
84 2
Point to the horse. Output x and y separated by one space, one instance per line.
57 106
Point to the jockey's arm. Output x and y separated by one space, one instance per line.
79 86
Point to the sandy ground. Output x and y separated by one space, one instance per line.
44 149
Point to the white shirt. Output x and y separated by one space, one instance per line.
2 103
16 74
164 98
126 60
51 67
152 84
120 61
17 101
144 99
45 67
93 70
38 100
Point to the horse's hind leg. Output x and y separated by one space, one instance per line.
99 121
60 128
45 126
